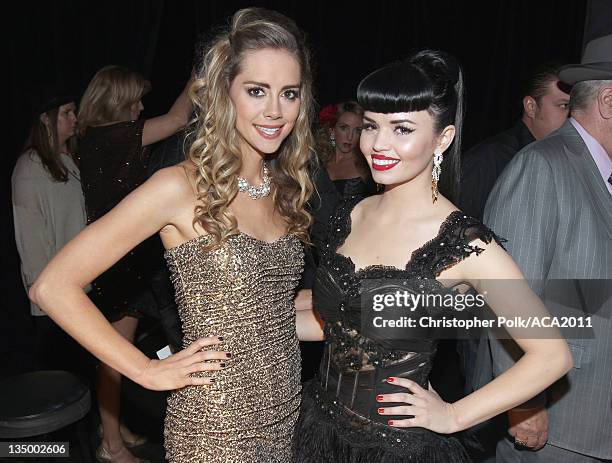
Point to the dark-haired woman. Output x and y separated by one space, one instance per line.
48 211
372 402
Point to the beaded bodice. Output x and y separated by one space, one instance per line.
339 289
243 290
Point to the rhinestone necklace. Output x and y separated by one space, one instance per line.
256 192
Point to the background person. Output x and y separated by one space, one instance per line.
113 160
48 211
554 204
545 109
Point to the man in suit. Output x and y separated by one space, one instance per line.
553 203
545 109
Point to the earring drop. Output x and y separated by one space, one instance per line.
435 174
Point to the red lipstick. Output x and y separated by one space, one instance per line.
381 162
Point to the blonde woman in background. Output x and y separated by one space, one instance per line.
342 173
338 149
233 223
113 157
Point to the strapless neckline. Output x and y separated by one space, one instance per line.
199 238
242 290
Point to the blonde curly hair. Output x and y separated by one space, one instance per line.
215 149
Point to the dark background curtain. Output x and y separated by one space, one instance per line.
498 43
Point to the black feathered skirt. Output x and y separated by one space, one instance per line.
328 432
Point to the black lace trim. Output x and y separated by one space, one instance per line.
350 350
450 246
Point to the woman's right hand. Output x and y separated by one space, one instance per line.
175 372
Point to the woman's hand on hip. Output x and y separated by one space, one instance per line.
426 407
176 371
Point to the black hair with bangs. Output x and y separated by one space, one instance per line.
431 81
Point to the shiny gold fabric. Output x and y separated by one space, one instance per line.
244 292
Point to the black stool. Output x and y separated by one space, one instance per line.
40 402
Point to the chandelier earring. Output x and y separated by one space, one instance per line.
435 174
332 139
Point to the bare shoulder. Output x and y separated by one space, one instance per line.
363 207
177 185
173 182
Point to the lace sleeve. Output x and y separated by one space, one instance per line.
460 232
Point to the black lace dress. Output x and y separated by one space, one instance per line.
339 421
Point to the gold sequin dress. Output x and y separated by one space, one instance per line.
243 291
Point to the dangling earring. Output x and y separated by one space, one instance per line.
332 139
44 118
435 174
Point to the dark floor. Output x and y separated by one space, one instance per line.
143 410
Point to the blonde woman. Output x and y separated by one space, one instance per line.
343 171
233 222
113 157
338 149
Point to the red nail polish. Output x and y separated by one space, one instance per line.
381 411
390 422
379 397
390 380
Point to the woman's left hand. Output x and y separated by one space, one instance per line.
429 411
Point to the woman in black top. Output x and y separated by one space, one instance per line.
113 159
372 402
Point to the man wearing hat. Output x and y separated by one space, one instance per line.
553 203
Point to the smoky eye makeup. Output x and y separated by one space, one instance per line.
255 91
292 94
